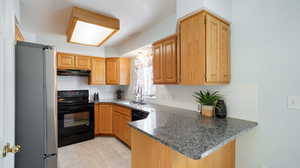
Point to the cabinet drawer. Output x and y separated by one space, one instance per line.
122 110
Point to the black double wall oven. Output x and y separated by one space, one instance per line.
75 117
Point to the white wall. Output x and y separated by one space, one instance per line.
219 7
165 27
112 52
184 7
265 42
80 83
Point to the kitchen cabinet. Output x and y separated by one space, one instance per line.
111 71
103 119
117 71
204 50
65 61
147 152
73 61
121 117
83 62
98 72
165 61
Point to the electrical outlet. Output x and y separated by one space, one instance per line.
294 102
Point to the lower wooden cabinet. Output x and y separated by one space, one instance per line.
103 119
121 118
147 152
113 120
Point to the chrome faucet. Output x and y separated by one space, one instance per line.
139 95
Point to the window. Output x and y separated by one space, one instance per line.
144 76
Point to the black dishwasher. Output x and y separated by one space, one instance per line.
139 115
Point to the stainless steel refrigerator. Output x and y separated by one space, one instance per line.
36 107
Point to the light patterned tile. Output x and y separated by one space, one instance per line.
101 152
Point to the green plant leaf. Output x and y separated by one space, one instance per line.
207 97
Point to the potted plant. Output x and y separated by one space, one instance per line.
208 100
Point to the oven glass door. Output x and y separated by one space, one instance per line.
77 119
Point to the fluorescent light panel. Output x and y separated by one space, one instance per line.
89 34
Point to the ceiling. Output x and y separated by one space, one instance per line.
52 16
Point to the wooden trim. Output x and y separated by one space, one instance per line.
18 34
178 52
96 18
79 14
108 37
205 11
164 39
71 28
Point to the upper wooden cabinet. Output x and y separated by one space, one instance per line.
204 50
65 61
111 71
98 75
165 61
73 61
117 71
83 62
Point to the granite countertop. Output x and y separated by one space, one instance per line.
185 130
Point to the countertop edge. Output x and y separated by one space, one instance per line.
204 154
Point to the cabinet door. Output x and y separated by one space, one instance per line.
65 61
212 49
126 129
98 75
97 119
192 50
125 68
158 63
105 119
170 61
225 74
116 124
83 62
147 152
112 71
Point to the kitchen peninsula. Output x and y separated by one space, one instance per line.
177 138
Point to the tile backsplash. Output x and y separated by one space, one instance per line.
81 83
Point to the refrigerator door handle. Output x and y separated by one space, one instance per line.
49 155
50 161
51 100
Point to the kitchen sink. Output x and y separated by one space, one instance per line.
138 103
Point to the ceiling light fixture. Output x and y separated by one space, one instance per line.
89 28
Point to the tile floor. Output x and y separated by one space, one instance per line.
101 152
